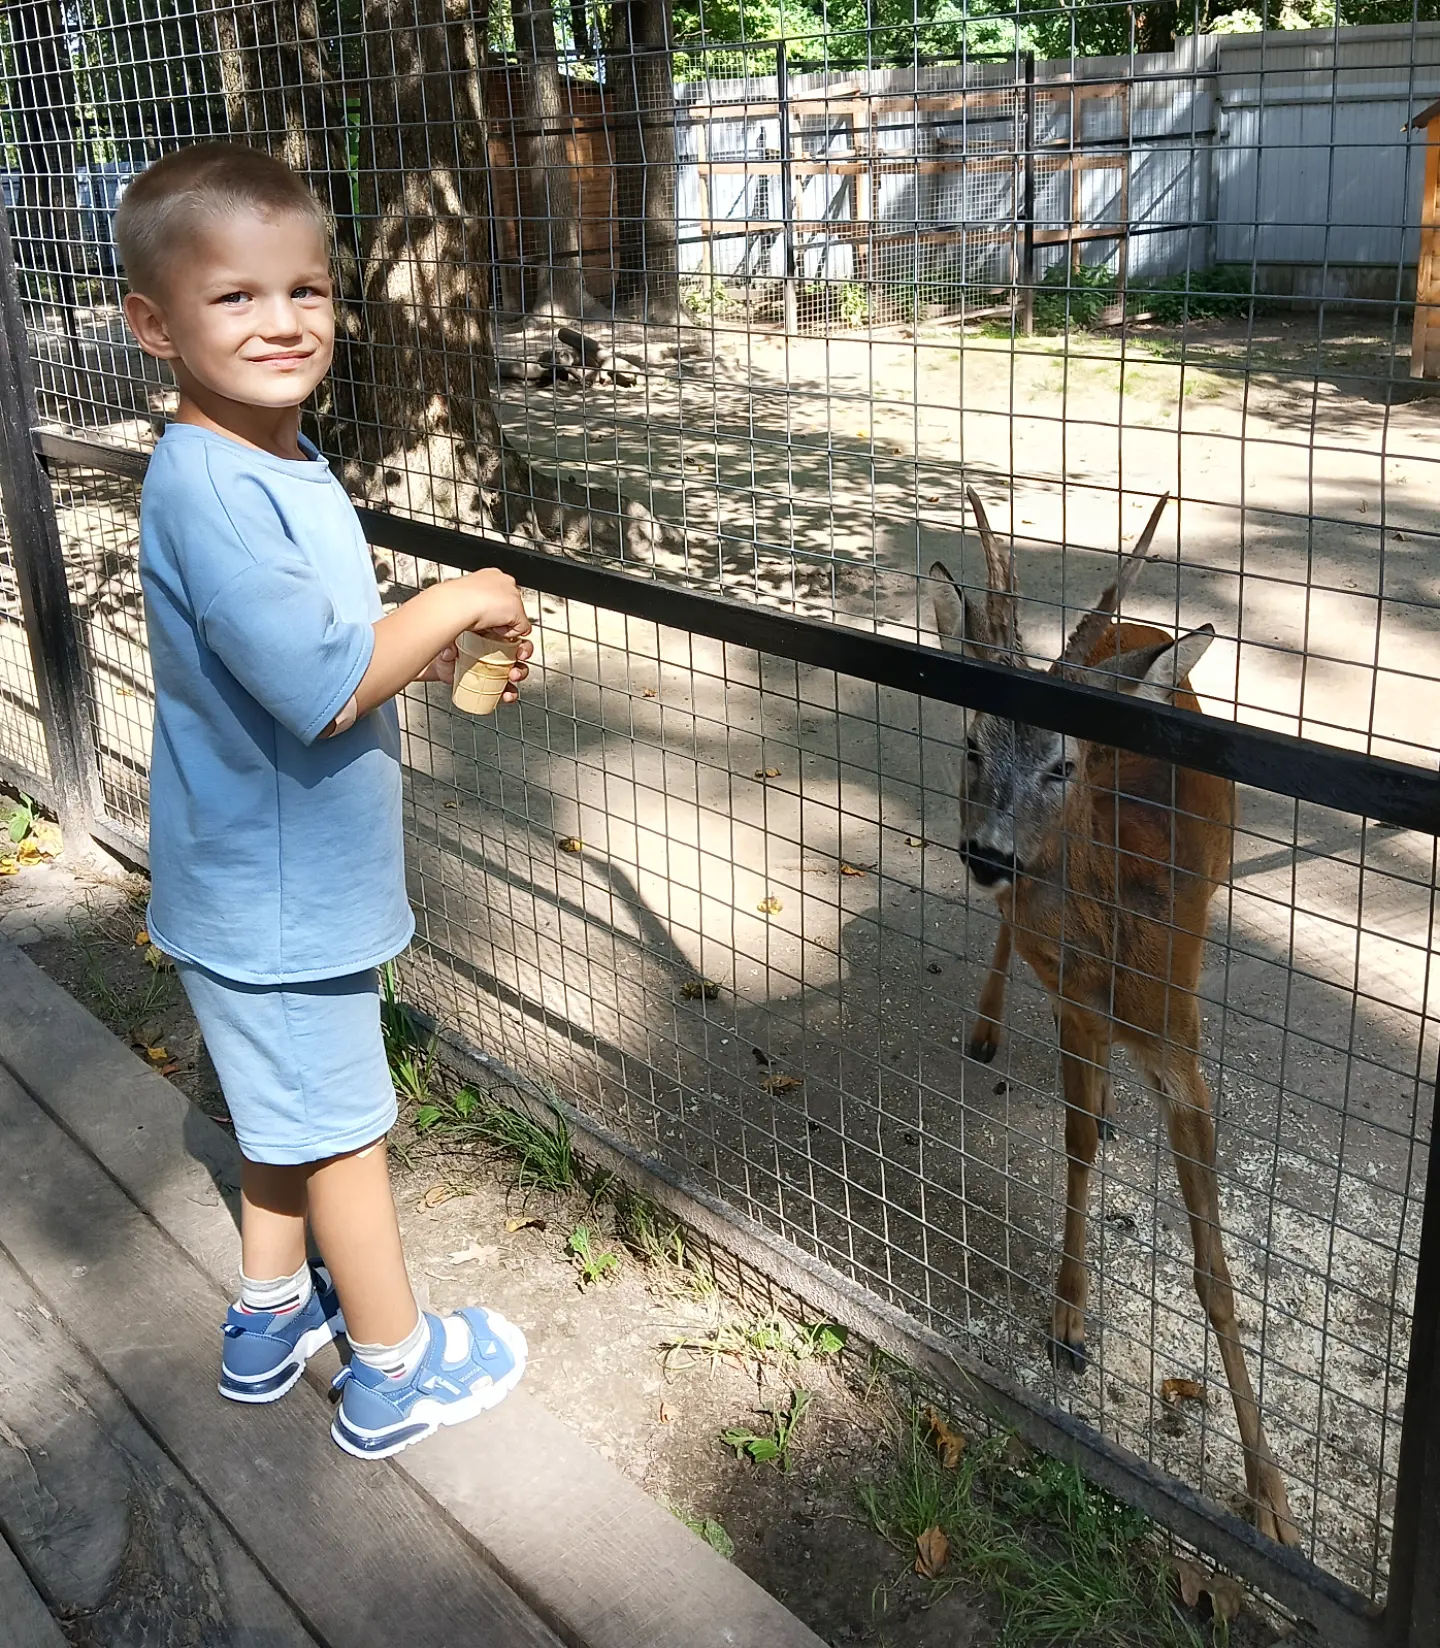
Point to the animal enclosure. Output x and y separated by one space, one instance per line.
704 887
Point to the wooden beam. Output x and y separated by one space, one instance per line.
358 1551
28 1622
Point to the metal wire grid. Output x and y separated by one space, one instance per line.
824 473
22 735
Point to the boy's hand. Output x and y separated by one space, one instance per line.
497 608
441 667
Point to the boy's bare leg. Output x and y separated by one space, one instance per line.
352 1216
273 1202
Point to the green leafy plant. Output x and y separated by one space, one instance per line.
21 818
593 1265
772 1446
1222 293
1072 298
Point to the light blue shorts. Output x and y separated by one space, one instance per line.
302 1066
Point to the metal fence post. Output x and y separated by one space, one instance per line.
1412 1606
50 624
787 188
1027 265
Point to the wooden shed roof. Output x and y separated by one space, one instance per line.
1424 117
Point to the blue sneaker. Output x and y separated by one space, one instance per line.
265 1355
474 1360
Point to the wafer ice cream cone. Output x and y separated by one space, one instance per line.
482 672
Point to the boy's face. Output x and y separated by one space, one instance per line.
248 312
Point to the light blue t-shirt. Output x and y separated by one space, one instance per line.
276 856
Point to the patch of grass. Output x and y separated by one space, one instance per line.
772 1445
772 1340
594 1265
708 1528
1065 1562
122 1007
659 1241
544 1156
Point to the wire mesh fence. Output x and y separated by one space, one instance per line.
22 736
747 315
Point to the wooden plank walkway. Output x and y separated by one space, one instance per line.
512 1532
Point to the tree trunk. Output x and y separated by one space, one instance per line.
47 224
551 223
642 90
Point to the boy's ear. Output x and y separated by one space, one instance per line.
147 322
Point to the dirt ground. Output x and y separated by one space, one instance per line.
603 1356
661 811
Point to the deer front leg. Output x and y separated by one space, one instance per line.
1192 1141
985 1037
1084 1077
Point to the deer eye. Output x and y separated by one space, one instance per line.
1060 772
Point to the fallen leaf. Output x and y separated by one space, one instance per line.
9 865
571 844
767 772
664 1414
473 1252
1226 1596
1176 1391
436 1195
158 1055
650 692
782 1084
914 840
46 839
29 853
171 1068
124 692
699 990
852 869
156 958
450 804
949 1443
524 1221
932 1552
142 937
770 906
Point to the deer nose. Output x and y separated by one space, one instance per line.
987 866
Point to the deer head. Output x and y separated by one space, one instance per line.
1016 779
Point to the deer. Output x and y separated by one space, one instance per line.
1103 865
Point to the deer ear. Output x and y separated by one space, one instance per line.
961 623
949 606
1157 672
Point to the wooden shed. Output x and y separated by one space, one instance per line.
1425 350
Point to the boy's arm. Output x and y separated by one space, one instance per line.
408 640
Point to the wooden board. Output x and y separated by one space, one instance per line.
28 1622
591 1552
356 1550
109 1527
1425 345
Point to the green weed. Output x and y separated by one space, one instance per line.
123 1008
593 1266
1065 1562
771 1446
772 1340
657 1239
409 1052
708 1528
21 817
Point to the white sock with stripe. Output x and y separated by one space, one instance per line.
278 1297
396 1361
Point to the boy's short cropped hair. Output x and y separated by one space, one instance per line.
167 208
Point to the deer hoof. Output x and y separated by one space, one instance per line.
1069 1354
1271 1508
984 1042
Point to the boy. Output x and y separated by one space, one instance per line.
275 839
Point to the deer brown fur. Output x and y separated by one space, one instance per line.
1103 865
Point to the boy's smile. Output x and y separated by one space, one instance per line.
247 323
